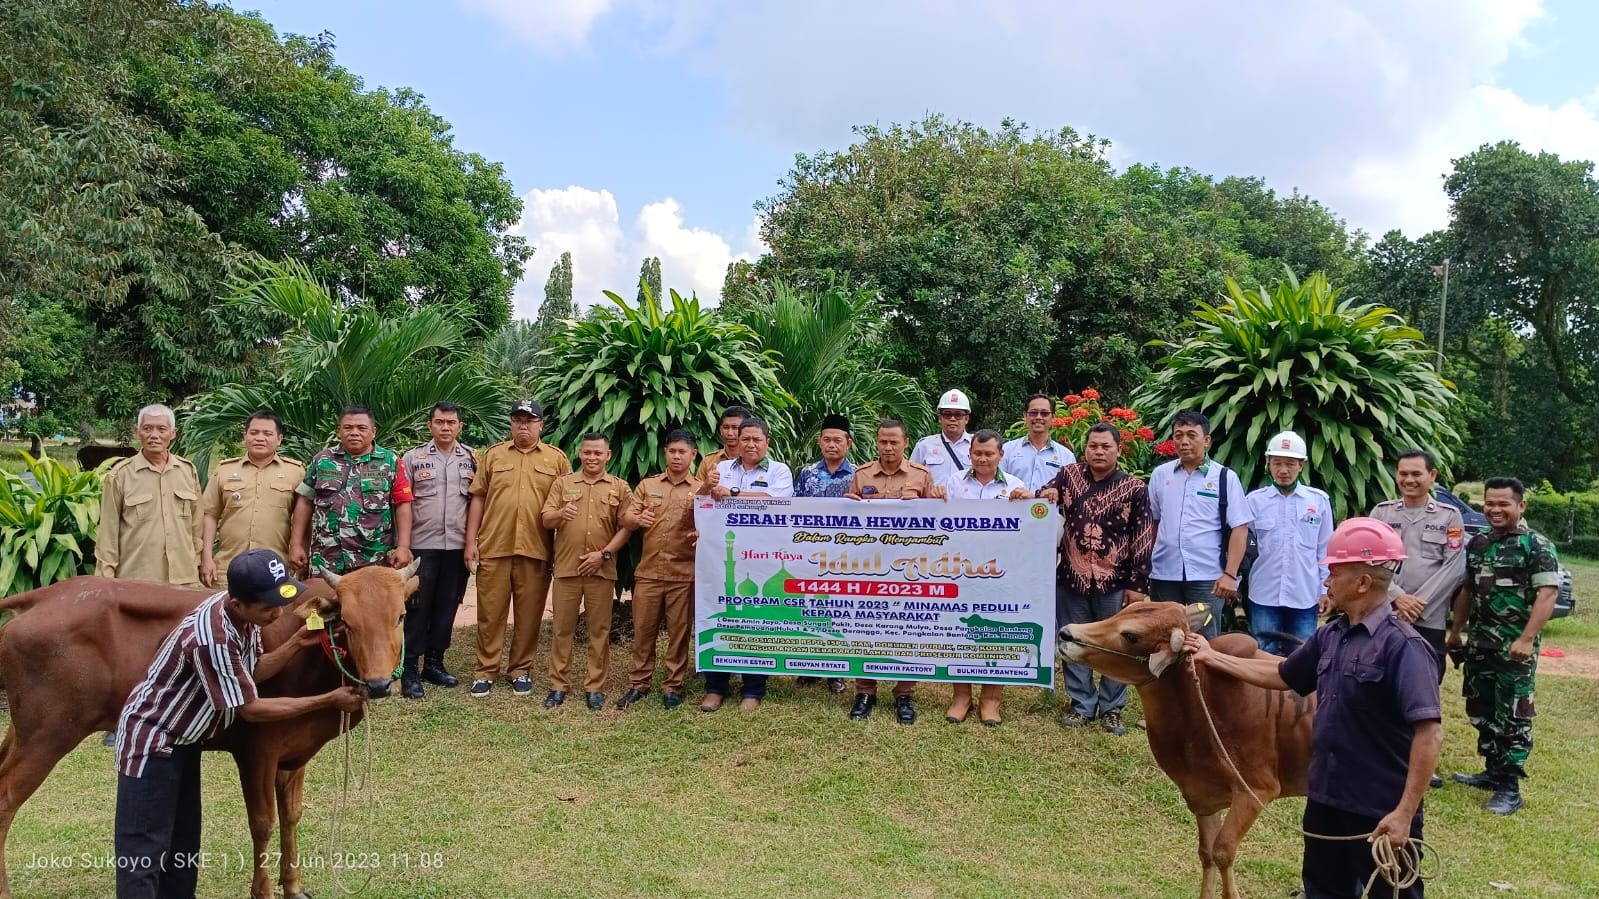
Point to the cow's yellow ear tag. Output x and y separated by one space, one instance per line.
314 622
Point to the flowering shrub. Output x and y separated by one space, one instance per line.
1075 413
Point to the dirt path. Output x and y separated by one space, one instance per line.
1577 663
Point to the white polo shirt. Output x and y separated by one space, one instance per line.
1187 508
964 485
1035 467
769 476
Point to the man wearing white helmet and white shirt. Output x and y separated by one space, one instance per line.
949 452
1292 524
1035 457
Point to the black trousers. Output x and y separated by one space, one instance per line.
1339 869
158 827
1435 640
430 612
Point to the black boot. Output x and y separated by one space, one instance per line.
433 672
411 681
1506 799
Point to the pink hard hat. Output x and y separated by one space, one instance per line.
1364 540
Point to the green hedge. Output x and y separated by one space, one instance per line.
1548 513
1583 545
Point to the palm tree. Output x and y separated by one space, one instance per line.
513 350
331 354
826 343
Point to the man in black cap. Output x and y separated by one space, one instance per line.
828 476
203 677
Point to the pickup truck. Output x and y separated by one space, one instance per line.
1476 523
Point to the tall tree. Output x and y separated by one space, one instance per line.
558 304
649 281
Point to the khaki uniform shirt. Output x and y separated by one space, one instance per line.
150 522
442 487
872 482
252 504
669 542
1435 555
708 463
599 517
513 485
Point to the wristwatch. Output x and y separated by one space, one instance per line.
733 491
606 555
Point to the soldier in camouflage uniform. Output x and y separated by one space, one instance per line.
356 499
1512 577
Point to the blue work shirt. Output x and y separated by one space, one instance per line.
1292 531
1187 510
815 480
1374 681
1035 467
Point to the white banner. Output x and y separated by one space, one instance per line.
891 589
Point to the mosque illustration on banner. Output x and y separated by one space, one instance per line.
775 588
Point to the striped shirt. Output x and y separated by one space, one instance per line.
202 674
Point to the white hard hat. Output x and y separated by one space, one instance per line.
954 399
1288 445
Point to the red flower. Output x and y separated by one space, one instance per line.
1080 413
1072 399
1127 436
1104 417
1166 448
1124 414
1091 394
1146 434
1060 422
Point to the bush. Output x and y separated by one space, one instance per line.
1559 514
47 532
1584 545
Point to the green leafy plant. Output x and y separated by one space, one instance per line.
47 528
331 354
1352 379
829 343
1077 413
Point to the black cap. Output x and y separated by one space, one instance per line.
528 407
835 423
260 576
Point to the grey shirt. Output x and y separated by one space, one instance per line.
439 483
1435 555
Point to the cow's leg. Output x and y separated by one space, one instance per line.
1224 851
24 764
256 777
291 800
1209 826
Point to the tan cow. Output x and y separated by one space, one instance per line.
1266 732
77 648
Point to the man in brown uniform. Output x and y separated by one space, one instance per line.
732 418
663 508
504 530
250 499
150 523
892 476
585 509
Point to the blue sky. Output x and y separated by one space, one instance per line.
647 127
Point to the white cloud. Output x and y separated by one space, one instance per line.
605 256
549 25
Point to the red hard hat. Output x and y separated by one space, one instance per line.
1364 540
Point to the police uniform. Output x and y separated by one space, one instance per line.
1505 572
663 584
600 504
150 522
1285 583
353 499
252 505
513 578
441 484
1435 563
943 457
1035 467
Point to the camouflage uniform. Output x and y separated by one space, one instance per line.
352 506
1504 572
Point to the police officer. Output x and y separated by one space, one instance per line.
250 499
441 473
1512 578
356 502
950 450
1435 549
150 524
1035 457
1292 524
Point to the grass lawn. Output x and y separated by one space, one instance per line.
499 798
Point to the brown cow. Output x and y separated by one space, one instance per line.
1266 732
77 648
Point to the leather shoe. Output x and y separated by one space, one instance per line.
835 685
1505 801
862 709
434 673
411 686
1482 780
713 701
596 701
671 700
904 710
1436 782
555 698
630 697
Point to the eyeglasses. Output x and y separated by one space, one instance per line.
1038 413
951 413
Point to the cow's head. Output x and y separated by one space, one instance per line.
367 613
1134 646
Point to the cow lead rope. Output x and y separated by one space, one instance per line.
341 802
1401 868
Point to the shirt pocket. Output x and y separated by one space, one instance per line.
425 487
1365 684
278 496
1308 531
374 494
1434 544
138 508
187 502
